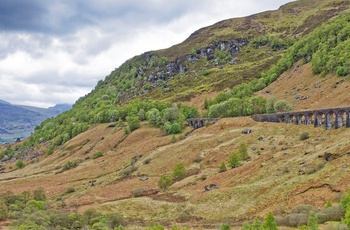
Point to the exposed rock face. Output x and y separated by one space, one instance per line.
168 70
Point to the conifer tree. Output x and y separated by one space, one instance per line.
270 223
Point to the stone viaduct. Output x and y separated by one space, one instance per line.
201 122
335 117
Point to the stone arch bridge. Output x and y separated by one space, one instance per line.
335 117
201 122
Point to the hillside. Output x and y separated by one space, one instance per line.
111 150
18 121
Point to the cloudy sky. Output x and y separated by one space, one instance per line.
56 51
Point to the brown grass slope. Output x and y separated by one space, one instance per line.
284 171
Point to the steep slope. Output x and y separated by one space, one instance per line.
102 167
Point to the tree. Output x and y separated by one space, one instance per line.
133 122
141 115
270 223
153 116
164 182
179 171
282 106
225 227
312 222
243 151
3 210
270 103
222 167
234 160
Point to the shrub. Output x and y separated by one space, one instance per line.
133 122
234 160
69 165
179 171
312 222
304 136
243 152
70 189
270 222
97 155
222 167
39 194
128 171
3 210
19 164
281 106
164 182
138 192
225 227
147 161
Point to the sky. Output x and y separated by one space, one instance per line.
56 51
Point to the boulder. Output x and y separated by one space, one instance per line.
210 187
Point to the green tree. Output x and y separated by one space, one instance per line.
141 115
225 227
270 223
346 219
164 182
243 151
222 167
3 210
153 116
133 122
234 160
270 105
179 171
312 222
282 106
19 164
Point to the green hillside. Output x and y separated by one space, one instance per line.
125 148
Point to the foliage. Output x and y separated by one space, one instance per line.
243 151
164 182
270 223
31 211
281 106
225 227
304 136
19 164
234 160
179 171
312 222
69 165
97 155
222 167
133 122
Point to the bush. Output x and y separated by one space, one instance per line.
282 106
19 164
70 189
138 192
225 227
270 222
312 222
164 182
179 171
234 160
304 136
69 165
222 167
243 151
133 122
97 155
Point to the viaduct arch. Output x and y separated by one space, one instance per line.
335 117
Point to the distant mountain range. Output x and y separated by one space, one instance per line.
19 121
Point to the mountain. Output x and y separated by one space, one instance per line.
125 148
18 121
